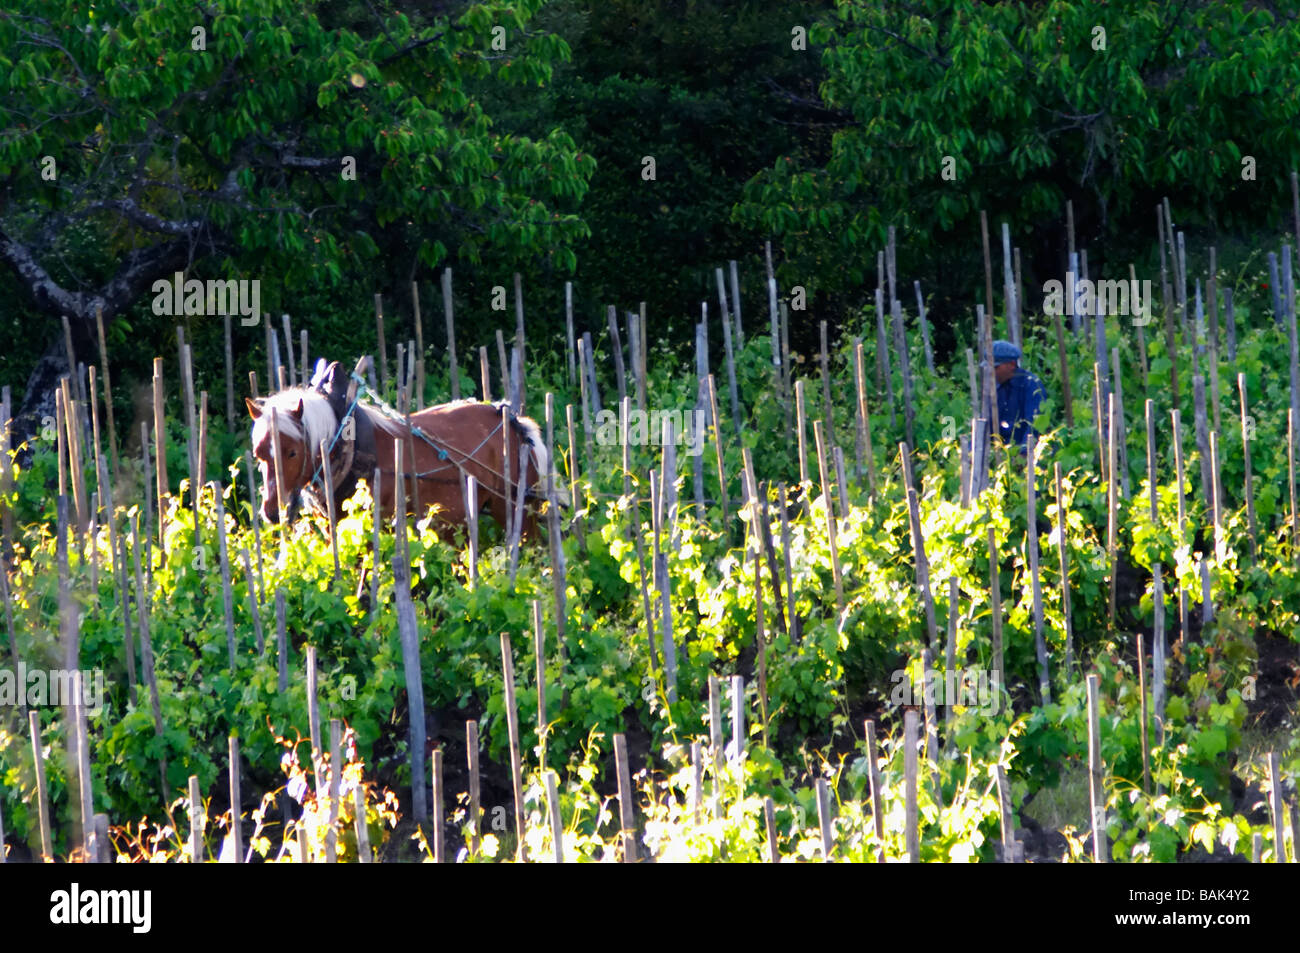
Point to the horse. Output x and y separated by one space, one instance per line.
441 446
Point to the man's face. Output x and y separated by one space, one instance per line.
1002 372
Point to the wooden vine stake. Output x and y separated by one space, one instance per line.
1031 522
626 809
1247 432
557 828
42 794
910 782
512 724
830 518
918 548
873 779
236 833
1143 731
475 815
198 820
439 847
1008 820
1112 515
331 834
410 640
1183 608
1096 777
824 818
995 598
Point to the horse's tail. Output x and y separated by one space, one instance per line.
531 432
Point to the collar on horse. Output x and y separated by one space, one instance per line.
355 436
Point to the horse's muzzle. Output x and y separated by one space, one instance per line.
270 512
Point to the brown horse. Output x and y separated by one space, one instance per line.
448 442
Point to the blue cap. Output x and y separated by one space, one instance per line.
1004 351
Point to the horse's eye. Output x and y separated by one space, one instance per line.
292 454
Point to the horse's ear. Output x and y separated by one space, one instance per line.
297 411
254 408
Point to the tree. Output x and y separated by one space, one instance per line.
251 138
1018 107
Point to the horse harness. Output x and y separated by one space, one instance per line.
358 452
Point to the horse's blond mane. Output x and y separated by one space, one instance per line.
318 421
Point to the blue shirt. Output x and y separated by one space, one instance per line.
1018 400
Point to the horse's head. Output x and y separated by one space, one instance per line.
293 416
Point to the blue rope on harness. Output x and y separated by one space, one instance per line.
415 431
320 467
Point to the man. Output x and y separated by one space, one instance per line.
1019 394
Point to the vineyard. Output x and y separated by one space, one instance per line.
800 608
647 431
